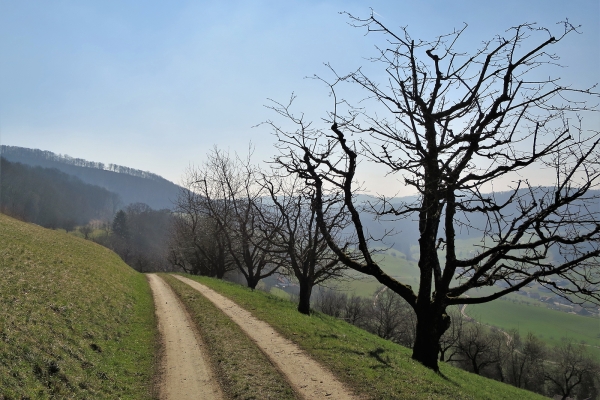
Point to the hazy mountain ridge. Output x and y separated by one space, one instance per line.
132 185
403 232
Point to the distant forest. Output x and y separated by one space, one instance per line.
132 185
51 198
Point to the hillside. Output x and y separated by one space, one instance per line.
75 321
132 186
51 198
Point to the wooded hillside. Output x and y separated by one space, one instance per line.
132 185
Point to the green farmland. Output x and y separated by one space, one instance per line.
549 325
511 312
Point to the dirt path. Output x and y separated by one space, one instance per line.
186 373
307 377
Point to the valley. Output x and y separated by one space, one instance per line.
82 323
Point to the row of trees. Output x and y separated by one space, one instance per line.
524 362
138 234
230 216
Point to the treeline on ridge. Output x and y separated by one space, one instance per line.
132 185
50 157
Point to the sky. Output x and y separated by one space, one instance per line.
154 85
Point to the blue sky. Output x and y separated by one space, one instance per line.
153 85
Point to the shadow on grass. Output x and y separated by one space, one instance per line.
328 336
377 355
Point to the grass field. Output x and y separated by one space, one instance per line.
548 325
75 321
393 263
371 366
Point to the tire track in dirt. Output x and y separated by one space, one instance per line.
185 369
308 378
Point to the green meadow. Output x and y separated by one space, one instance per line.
549 325
75 320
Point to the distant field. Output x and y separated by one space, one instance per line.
548 325
512 312
393 263
75 320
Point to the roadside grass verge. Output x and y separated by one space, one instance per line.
243 370
75 320
372 367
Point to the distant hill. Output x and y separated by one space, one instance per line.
132 185
52 198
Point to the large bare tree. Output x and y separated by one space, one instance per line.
571 368
451 124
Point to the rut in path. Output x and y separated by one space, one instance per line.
308 378
186 371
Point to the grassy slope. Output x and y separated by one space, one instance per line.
230 349
373 367
75 321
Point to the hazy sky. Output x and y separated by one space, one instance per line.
153 85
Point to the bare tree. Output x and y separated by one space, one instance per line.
452 336
477 349
571 366
356 310
198 244
331 302
449 123
524 361
86 230
296 237
229 195
391 318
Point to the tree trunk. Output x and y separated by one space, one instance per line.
431 326
442 355
252 283
305 293
475 365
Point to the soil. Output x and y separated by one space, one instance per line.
308 378
185 367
